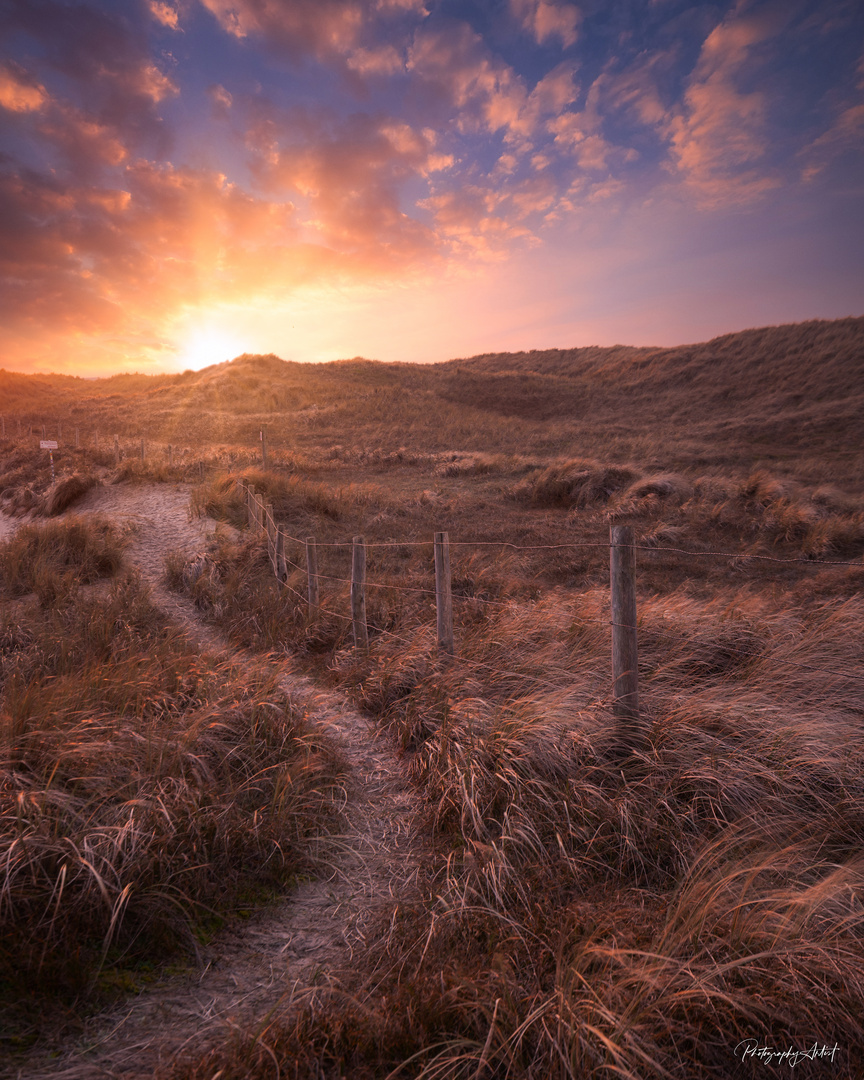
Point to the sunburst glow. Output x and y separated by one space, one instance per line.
206 345
439 179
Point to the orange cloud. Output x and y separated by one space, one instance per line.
164 14
465 219
19 91
84 142
350 173
303 27
454 66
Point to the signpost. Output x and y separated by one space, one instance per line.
50 445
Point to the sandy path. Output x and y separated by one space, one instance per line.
273 959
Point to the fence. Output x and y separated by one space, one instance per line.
127 447
622 551
623 619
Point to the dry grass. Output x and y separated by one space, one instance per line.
65 493
52 560
576 921
579 922
145 791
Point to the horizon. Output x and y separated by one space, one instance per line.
425 363
421 181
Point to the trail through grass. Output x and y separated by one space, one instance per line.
274 954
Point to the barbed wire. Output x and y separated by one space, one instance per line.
746 555
725 646
571 545
747 654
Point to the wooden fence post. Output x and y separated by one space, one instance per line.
312 575
3 421
116 449
44 436
263 448
281 564
77 439
443 593
358 595
270 529
625 674
170 454
142 449
59 432
19 427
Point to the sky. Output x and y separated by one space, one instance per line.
182 181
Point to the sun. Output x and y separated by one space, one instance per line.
205 345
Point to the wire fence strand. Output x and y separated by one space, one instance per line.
267 515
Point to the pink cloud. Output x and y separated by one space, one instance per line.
381 60
718 138
546 19
221 99
845 132
479 90
324 29
453 64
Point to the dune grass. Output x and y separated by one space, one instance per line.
145 790
576 921
580 922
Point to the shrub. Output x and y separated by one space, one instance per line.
143 787
65 493
73 551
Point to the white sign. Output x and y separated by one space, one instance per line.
47 444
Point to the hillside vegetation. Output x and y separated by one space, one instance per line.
572 919
791 396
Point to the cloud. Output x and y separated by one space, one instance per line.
349 172
88 259
478 91
844 133
19 91
381 60
451 65
346 33
718 137
83 142
319 27
545 19
635 90
466 220
221 99
106 69
164 14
